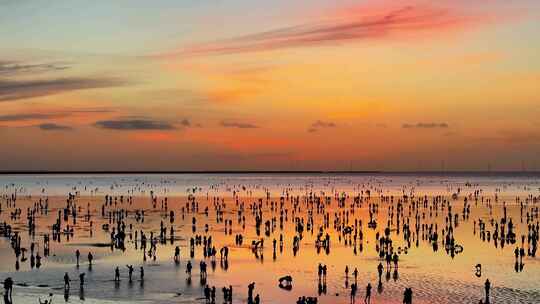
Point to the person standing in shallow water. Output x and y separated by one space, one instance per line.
177 255
367 299
130 272
81 279
8 287
66 281
487 287
251 287
353 293
407 296
188 268
380 270
207 291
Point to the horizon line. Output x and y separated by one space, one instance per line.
359 172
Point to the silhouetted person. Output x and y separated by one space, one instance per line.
251 287
81 279
487 287
207 294
177 255
66 281
407 296
130 272
353 292
188 268
367 299
8 287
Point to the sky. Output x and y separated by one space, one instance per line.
270 85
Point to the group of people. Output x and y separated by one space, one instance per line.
328 218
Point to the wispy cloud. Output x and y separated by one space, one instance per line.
239 125
37 116
31 116
423 125
11 90
88 111
134 124
14 68
361 24
54 127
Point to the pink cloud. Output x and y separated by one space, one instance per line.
353 24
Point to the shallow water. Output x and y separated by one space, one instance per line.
434 276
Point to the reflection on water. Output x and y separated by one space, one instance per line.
442 236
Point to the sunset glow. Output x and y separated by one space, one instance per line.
279 85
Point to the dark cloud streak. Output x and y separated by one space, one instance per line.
31 116
134 124
54 127
239 125
422 125
11 90
13 68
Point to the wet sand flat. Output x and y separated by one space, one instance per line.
349 200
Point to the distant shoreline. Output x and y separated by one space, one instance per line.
274 172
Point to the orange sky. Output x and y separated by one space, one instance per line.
363 85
